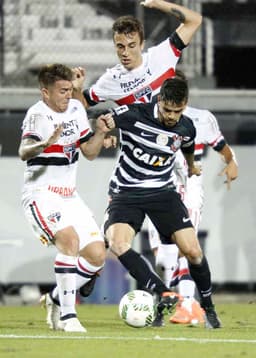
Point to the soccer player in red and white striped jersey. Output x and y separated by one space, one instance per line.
139 75
55 130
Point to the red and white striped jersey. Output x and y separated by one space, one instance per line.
207 134
207 130
140 84
56 166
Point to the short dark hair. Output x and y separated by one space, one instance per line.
49 74
180 74
128 24
175 90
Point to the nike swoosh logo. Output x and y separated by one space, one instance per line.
185 220
146 134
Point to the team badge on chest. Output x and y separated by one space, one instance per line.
162 139
69 151
177 140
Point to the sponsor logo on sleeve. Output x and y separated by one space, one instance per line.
121 109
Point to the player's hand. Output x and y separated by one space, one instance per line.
78 78
108 120
105 123
231 172
194 170
110 141
55 136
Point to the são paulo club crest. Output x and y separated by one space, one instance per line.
54 217
144 94
69 151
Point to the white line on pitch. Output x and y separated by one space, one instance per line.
157 338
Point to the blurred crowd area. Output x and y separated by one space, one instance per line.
38 32
78 32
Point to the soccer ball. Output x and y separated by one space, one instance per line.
137 308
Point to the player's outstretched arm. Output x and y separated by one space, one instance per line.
190 20
78 83
231 169
30 148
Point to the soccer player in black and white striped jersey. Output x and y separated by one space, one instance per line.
142 184
139 75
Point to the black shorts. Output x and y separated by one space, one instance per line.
164 207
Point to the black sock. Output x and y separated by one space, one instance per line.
142 271
54 300
202 277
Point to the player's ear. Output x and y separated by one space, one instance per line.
45 92
142 45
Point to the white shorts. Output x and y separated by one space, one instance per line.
48 212
194 199
153 235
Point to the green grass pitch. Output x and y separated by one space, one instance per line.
24 333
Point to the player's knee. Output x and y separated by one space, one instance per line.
120 237
118 246
98 261
94 253
67 245
98 258
194 255
67 241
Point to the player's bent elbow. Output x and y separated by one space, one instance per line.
197 22
22 155
90 157
200 19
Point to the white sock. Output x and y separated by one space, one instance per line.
186 285
167 257
85 271
65 272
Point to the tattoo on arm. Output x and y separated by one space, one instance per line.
178 14
30 148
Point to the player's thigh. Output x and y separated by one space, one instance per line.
83 221
194 203
194 195
187 241
123 212
46 214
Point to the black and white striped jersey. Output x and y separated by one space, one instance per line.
148 147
